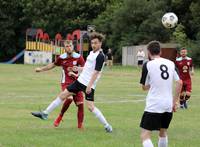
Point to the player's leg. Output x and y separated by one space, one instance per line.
72 88
65 106
140 63
188 93
182 96
163 139
187 97
146 138
149 122
182 99
111 63
108 63
165 122
60 98
78 99
96 111
67 102
99 115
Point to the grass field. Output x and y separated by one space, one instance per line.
118 95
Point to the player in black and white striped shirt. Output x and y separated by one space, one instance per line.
86 82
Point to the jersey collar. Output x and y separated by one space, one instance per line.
74 55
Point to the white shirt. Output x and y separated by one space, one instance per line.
95 61
159 74
140 55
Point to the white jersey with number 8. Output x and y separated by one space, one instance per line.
159 74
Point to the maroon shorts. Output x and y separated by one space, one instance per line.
78 98
187 86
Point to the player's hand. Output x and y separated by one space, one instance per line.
70 73
38 69
175 107
88 90
75 68
69 69
192 73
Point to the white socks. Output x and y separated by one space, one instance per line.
53 105
163 142
147 143
100 116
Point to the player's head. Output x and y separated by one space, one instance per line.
96 40
153 48
183 52
69 47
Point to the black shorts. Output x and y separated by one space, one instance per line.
155 121
77 86
140 62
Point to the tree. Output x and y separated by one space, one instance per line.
12 24
52 16
125 22
134 22
61 15
179 35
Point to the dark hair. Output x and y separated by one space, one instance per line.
183 48
154 47
98 36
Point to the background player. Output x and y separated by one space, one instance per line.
140 57
109 57
157 77
67 61
86 82
185 68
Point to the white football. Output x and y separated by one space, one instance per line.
169 20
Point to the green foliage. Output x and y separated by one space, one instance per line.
134 22
52 16
179 35
139 21
12 25
194 51
195 25
61 15
104 24
124 22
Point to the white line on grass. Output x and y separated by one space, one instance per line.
36 96
122 101
100 102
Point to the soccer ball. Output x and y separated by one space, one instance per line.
169 20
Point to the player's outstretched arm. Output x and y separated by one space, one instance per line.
45 68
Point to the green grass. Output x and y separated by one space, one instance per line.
118 95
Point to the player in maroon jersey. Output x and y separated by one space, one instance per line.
185 69
67 61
